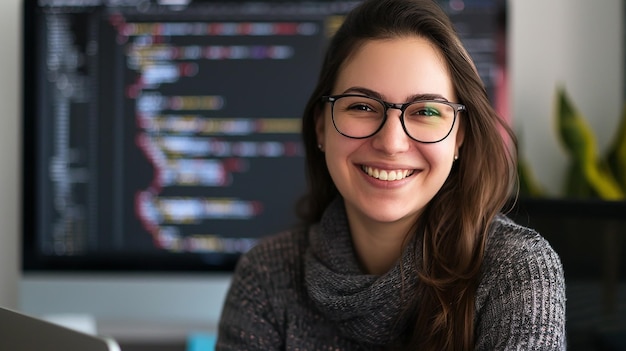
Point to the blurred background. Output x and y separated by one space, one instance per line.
534 49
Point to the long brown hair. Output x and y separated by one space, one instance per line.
456 221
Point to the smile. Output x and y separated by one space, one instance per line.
386 175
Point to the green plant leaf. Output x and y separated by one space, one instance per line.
616 154
579 141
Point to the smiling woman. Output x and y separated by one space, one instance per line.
403 244
379 68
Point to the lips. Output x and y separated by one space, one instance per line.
386 174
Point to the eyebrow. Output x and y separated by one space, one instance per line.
415 97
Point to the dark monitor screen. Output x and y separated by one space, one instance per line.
165 135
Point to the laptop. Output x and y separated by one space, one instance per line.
21 332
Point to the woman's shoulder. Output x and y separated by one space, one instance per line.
508 238
520 301
521 293
277 251
289 239
516 250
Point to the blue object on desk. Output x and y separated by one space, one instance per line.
201 342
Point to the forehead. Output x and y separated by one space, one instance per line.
397 68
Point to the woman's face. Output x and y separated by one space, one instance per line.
397 70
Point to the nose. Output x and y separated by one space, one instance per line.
392 139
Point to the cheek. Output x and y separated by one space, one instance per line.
339 152
439 155
338 148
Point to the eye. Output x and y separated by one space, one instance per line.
361 107
428 111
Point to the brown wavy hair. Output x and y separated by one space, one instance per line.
456 221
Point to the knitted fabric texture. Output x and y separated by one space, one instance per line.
364 307
303 290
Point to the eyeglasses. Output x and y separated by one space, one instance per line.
359 117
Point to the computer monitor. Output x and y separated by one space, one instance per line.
164 135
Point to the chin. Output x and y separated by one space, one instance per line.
391 214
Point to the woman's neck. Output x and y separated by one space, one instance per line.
378 245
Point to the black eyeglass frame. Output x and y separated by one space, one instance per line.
389 105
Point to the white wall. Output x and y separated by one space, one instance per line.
576 42
9 152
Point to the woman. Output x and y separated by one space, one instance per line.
403 245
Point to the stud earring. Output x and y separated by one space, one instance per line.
321 147
456 157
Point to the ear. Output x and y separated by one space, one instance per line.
460 137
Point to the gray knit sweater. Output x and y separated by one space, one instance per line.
303 290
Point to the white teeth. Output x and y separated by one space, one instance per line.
386 175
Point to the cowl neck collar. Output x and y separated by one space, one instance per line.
366 308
